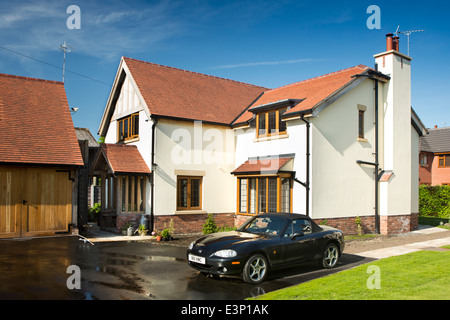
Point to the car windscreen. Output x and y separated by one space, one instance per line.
271 226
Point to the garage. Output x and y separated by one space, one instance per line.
39 158
34 201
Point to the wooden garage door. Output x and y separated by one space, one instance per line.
34 201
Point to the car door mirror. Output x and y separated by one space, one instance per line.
297 235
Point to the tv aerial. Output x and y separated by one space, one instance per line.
65 49
407 34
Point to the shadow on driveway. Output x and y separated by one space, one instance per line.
37 269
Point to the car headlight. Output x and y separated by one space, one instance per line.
191 246
227 253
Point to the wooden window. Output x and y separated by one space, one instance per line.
423 160
270 123
444 160
285 195
264 194
361 111
128 127
361 124
189 193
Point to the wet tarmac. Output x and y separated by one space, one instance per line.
37 269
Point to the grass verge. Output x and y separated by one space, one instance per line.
420 275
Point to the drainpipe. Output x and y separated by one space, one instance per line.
375 164
152 185
307 183
377 213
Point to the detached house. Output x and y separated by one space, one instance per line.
39 158
434 158
335 147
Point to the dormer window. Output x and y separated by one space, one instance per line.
128 127
269 123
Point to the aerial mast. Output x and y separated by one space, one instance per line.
407 33
65 48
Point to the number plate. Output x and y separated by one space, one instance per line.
197 259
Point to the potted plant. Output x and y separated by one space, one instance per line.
165 234
157 235
142 231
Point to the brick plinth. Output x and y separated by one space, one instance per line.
192 223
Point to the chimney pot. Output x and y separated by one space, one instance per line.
389 42
435 126
396 43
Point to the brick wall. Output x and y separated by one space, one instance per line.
399 224
388 224
192 223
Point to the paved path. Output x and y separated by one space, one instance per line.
410 247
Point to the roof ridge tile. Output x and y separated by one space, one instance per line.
29 78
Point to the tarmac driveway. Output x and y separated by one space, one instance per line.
38 269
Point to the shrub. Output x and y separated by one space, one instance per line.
210 225
94 212
434 201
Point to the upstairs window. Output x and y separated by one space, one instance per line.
361 111
128 127
269 123
444 160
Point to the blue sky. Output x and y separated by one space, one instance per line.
267 43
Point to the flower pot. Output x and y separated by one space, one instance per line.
158 238
130 231
143 232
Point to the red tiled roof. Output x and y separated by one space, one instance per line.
124 158
312 91
184 94
35 123
266 165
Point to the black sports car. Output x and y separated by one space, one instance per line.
266 241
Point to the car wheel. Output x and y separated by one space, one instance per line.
330 256
255 270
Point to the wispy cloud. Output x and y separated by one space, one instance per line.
107 29
261 63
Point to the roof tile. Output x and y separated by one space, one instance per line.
189 95
123 158
35 123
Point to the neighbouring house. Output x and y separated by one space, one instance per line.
39 158
87 189
434 158
335 147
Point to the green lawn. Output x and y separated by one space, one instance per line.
416 276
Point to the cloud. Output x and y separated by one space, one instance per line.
262 63
107 29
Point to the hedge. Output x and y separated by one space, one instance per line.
434 201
